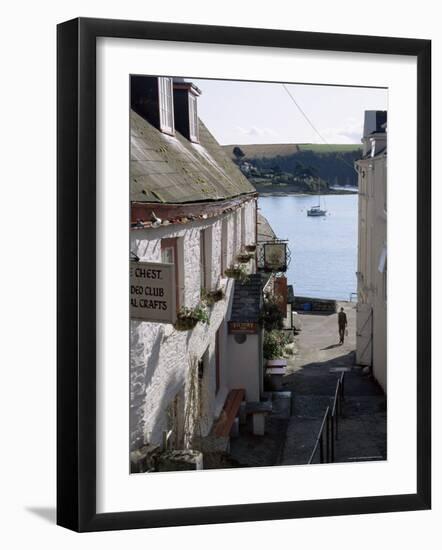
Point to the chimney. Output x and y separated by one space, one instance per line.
374 137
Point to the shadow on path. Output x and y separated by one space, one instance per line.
312 375
331 347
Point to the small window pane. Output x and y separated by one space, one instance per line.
193 119
165 93
168 255
203 274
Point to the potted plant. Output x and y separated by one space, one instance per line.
271 315
237 272
244 257
273 346
188 317
277 344
210 297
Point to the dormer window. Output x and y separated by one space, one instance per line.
193 119
185 96
165 103
152 98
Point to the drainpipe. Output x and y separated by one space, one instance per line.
372 339
256 235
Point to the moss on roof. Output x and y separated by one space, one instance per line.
265 231
171 169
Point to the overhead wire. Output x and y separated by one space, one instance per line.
314 127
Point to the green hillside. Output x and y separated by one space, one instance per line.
305 165
329 148
262 150
269 150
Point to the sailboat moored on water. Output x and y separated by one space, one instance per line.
316 211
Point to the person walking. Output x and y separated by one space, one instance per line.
342 324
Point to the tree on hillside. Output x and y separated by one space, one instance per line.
238 152
330 166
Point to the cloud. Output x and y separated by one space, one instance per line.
256 131
350 132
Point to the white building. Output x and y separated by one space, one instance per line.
371 341
190 207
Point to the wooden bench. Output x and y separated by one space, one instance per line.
228 414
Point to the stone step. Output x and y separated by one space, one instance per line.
300 440
360 405
310 406
361 438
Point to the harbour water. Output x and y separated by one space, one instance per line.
323 249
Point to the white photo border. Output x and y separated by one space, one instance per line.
117 491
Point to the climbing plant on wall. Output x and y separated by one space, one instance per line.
192 405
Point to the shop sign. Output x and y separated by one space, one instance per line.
275 257
236 327
152 292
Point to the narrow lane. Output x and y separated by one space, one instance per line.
312 375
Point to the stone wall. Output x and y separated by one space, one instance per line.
317 305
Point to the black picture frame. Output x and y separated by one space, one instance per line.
76 274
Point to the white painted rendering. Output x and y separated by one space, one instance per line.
371 340
246 365
160 354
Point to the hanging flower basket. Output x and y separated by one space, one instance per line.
188 318
251 247
244 258
210 297
185 323
237 272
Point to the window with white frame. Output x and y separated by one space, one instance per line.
193 119
224 246
165 95
243 227
170 254
236 241
205 258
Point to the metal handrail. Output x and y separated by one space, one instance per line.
336 412
330 425
339 395
319 440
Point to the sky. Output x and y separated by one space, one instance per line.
238 112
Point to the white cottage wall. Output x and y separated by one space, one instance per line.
244 365
379 297
160 354
372 239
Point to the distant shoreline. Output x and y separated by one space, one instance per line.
287 193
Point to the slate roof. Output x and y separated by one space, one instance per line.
265 231
171 169
246 305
